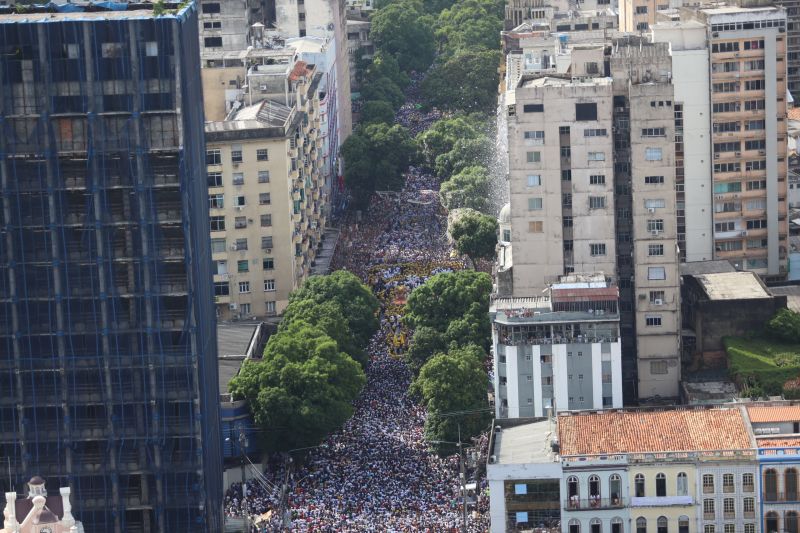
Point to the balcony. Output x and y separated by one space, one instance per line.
781 497
592 504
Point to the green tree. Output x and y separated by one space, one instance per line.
376 155
785 325
424 344
383 89
470 24
467 81
469 188
329 317
452 383
450 296
402 30
377 111
355 300
301 390
384 65
443 135
465 153
475 235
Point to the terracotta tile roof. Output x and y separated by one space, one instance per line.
779 442
298 70
652 431
793 113
774 413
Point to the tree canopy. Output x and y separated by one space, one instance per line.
384 65
385 90
355 300
443 135
301 390
466 81
377 111
402 29
376 155
470 24
449 383
469 188
425 342
465 153
475 235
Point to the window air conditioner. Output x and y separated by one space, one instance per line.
658 301
233 307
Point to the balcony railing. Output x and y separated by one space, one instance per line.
593 504
781 496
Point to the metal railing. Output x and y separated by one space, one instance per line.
588 504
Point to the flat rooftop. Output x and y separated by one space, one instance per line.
706 267
527 443
552 81
792 293
732 286
232 342
637 431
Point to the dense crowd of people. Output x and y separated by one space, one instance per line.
376 473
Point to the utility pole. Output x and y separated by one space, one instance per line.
242 447
463 476
284 489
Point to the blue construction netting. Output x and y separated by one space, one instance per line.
108 366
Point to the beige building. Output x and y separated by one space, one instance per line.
267 202
636 16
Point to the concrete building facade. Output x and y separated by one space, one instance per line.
267 203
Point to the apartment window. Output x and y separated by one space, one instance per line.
210 7
758 204
728 508
727 147
566 151
533 108
243 266
747 479
266 221
709 528
654 180
213 157
262 154
639 489
656 273
725 87
641 10
586 111
597 132
597 249
752 125
729 528
218 246
727 127
566 200
268 263
534 180
264 198
658 367
749 528
241 244
641 26
757 185
506 235
269 285
238 178
725 47
755 64
754 85
652 154
728 246
655 225
597 156
217 223
567 222
239 201
749 505
727 66
236 153
216 201
727 167
726 107
240 222
755 165
534 137
244 309
655 250
566 175
266 243
244 287
754 244
597 179
654 132
270 307
754 45
221 288
754 105
534 204
653 320
682 485
641 524
533 157
708 484
535 226
757 224
213 25
657 297
597 202
655 203
263 176
661 486
563 130
215 179
724 226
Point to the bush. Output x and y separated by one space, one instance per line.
785 325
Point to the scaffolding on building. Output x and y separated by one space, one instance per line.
107 331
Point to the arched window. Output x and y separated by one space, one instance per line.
661 484
683 524
574 526
573 488
662 524
790 521
615 489
596 525
771 522
594 487
616 525
770 486
638 483
790 484
683 484
641 525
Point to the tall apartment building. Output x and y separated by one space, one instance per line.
792 8
646 142
636 16
108 365
267 204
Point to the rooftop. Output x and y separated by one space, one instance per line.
590 433
88 11
792 293
779 442
773 413
233 339
526 443
695 268
567 81
732 286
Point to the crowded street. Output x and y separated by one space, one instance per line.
376 473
